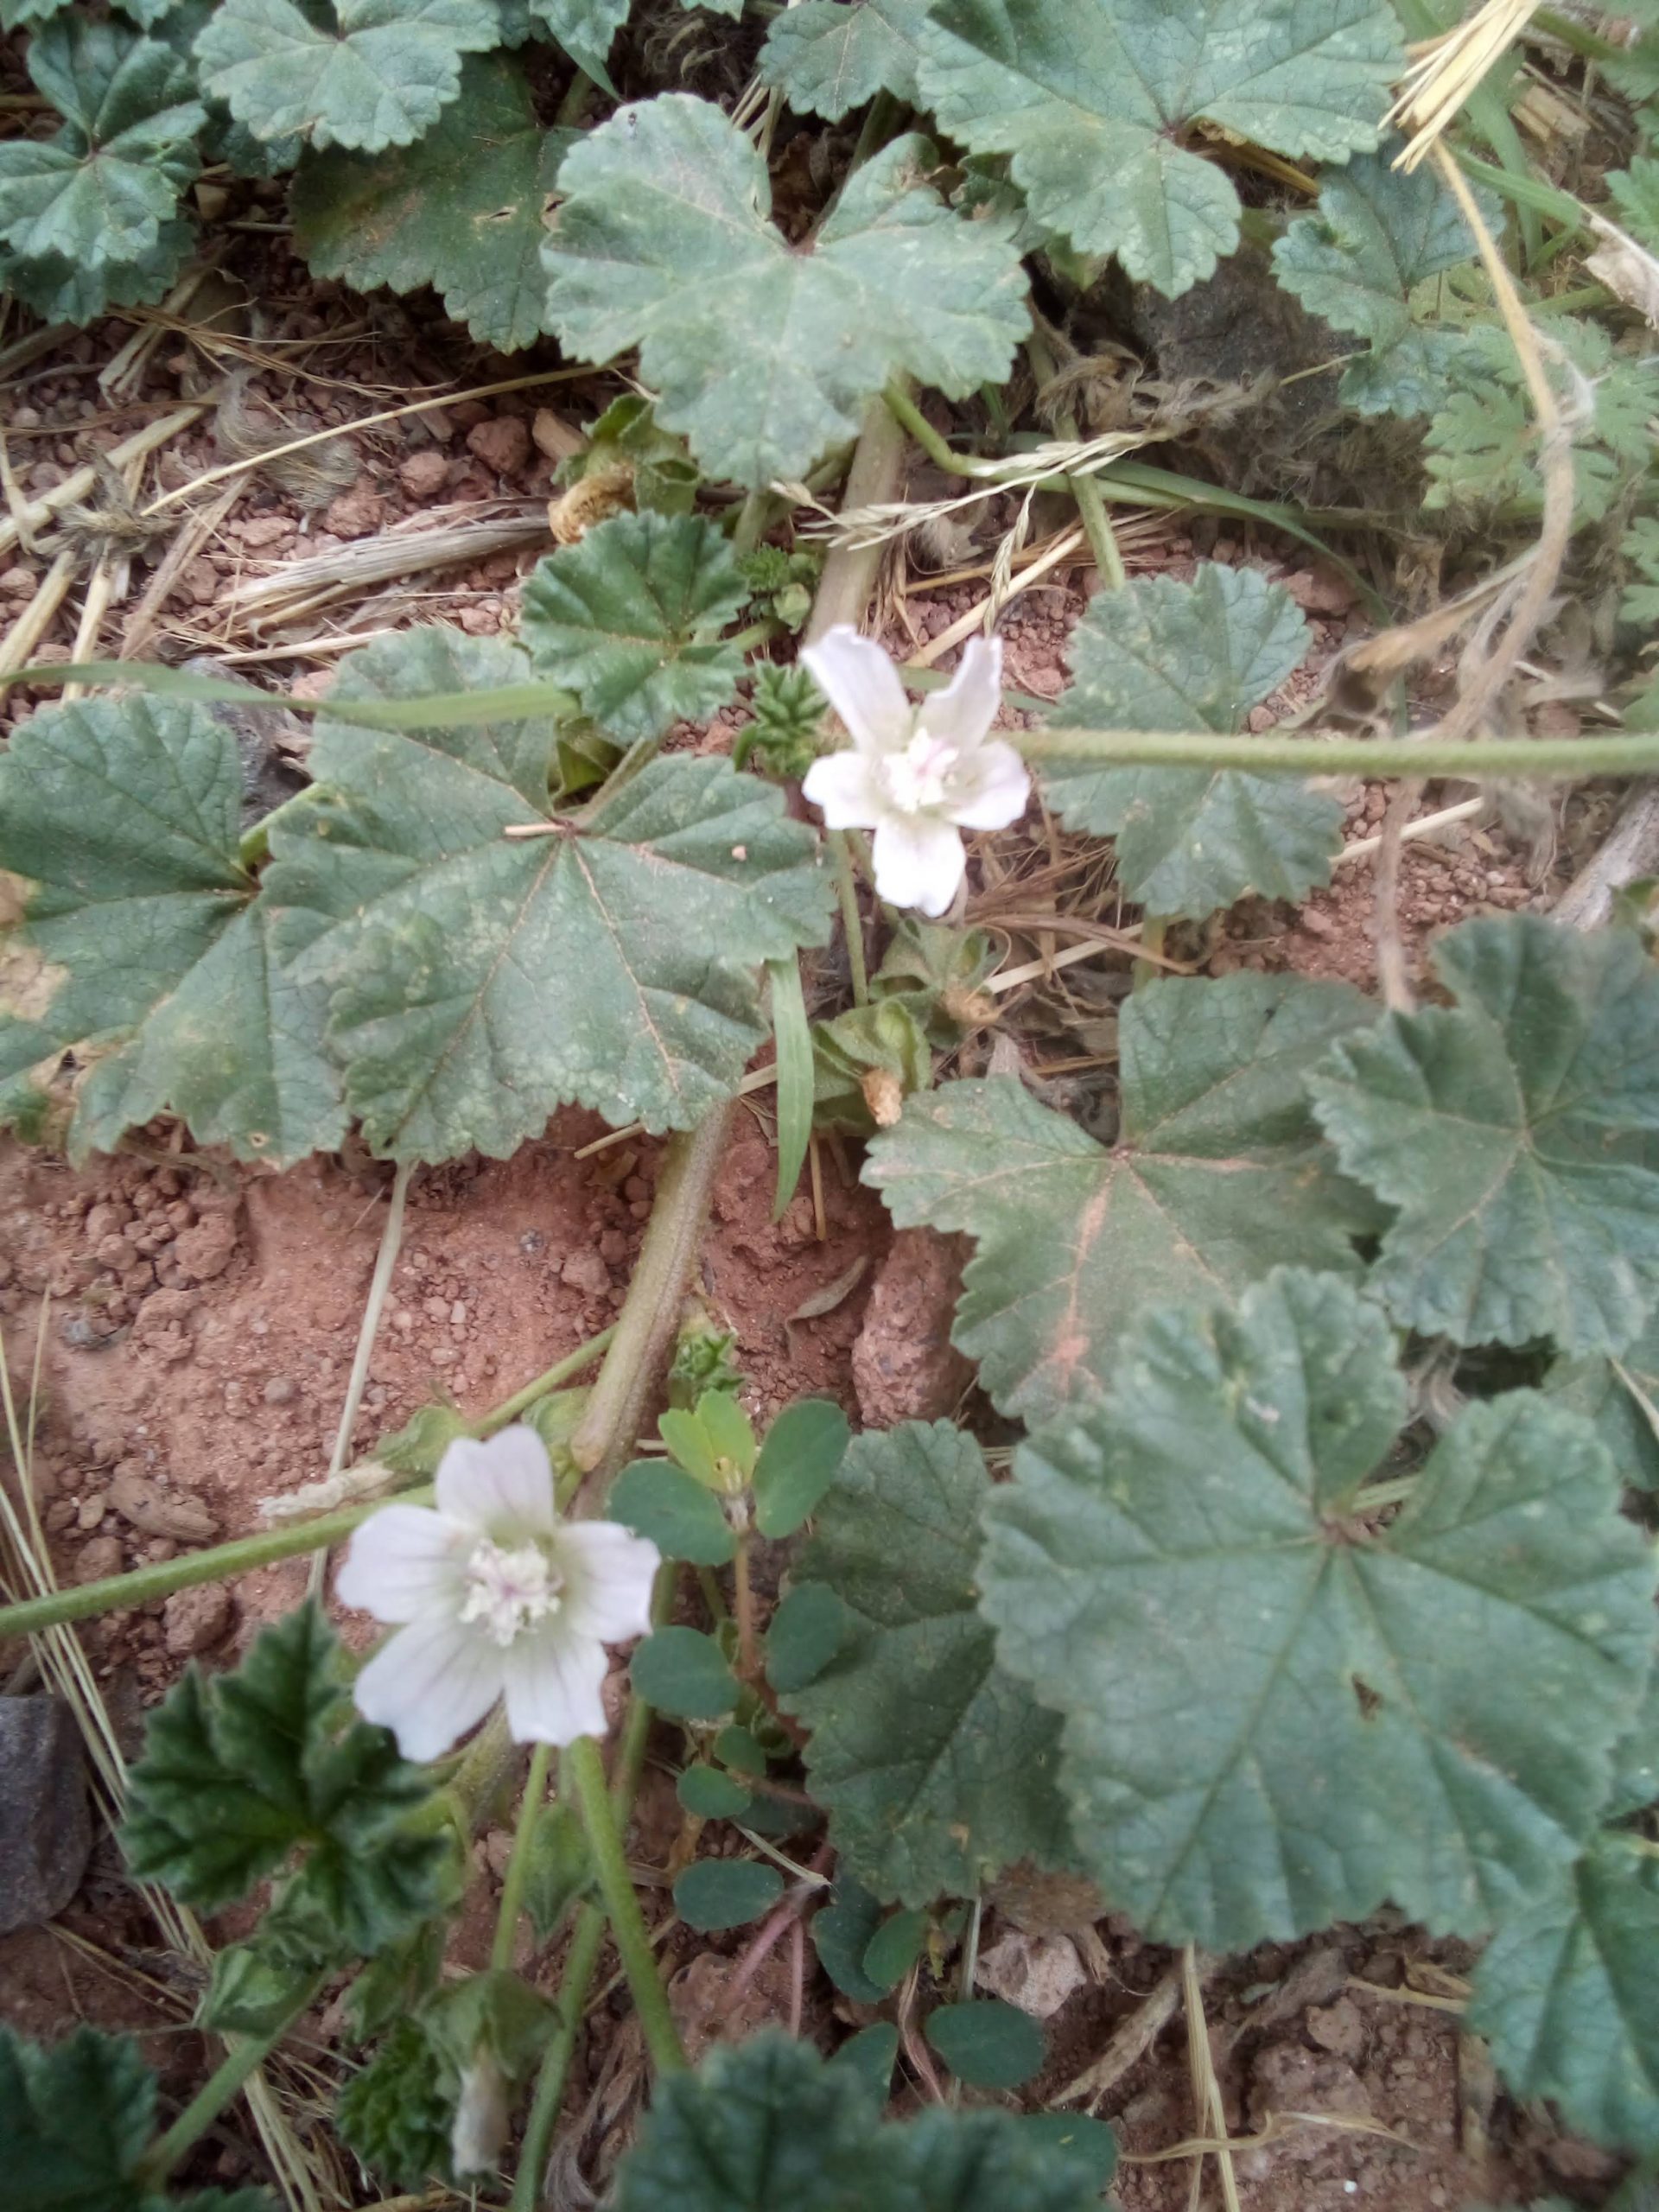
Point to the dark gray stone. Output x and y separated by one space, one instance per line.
46 1827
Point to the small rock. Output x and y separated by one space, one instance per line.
153 1512
195 1620
905 1367
1036 1972
99 1556
614 1247
1339 2029
424 475
585 1271
46 1829
92 1509
502 443
1288 2077
1318 925
259 531
357 513
206 1250
280 1390
1315 592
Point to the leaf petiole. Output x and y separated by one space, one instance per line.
587 1772
243 2054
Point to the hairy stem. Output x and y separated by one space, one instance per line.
852 921
622 1907
1476 761
849 572
512 1889
748 1657
243 2055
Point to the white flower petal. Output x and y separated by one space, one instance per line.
843 786
967 707
918 861
862 685
429 1684
611 1572
402 1561
503 1488
990 788
553 1682
477 2134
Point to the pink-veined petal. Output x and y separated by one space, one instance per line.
611 1572
503 1488
990 788
967 707
843 786
862 685
429 1684
918 861
553 1681
401 1563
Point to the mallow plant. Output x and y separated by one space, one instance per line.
1313 1571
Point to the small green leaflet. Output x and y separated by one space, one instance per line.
1277 1715
714 1893
990 2045
935 1767
241 1770
479 981
1164 655
1518 1135
75 2121
1218 1175
379 76
141 943
1094 101
1568 1995
100 192
461 209
763 354
766 2124
396 2111
628 617
828 58
1378 234
1635 190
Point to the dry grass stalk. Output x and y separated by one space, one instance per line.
1131 2040
141 624
875 524
1067 547
301 587
36 619
79 481
1447 70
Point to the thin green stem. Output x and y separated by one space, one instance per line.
1091 506
852 921
748 1660
574 106
622 1907
910 417
242 1554
1477 760
753 516
512 1889
243 2054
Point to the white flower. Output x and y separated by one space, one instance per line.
494 1594
916 775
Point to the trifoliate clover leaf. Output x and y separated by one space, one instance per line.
479 980
763 353
936 1768
100 192
140 941
1568 1995
1216 1176
461 209
1164 655
1094 103
629 618
828 58
1518 1135
396 2111
242 1771
766 2123
1360 261
1621 1396
1278 1714
368 73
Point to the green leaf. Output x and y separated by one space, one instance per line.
1218 1175
1094 101
1616 1395
1635 192
1164 655
763 353
1568 1995
870 2054
395 1981
791 1052
252 1990
495 2013
935 1768
561 1866
1360 261
990 2044
740 1751
585 29
804 1447
241 1770
894 1948
827 58
1090 2144
804 1634
682 1518
714 1893
766 2124
885 1039
626 617
141 944
461 209
842 1933
60 290
479 980
711 1793
1517 1134
396 2111
75 2120
368 73
680 1670
1639 603
421 1443
102 190
1636 1759
1276 1713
